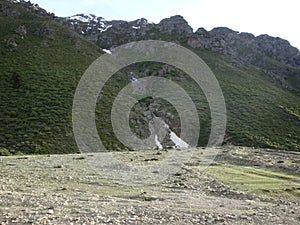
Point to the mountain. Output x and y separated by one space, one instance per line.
41 63
275 55
43 57
260 75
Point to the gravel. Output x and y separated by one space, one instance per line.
64 189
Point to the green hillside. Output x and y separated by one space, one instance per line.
41 62
260 113
39 71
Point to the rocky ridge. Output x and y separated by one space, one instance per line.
220 39
273 55
269 53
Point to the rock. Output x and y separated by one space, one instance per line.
8 10
244 217
245 48
248 49
11 42
21 30
59 166
44 32
175 24
195 41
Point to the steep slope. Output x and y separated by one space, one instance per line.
274 55
43 58
260 112
41 62
259 77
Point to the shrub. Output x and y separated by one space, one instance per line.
4 152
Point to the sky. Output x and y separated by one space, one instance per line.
277 18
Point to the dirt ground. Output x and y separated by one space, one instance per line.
241 186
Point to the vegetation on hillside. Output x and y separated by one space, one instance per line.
41 62
39 73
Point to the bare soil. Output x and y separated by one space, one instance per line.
66 189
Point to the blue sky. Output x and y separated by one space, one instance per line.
274 17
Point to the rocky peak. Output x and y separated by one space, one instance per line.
279 49
91 18
222 31
268 53
9 10
202 31
141 22
242 45
90 26
175 24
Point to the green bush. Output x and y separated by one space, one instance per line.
4 152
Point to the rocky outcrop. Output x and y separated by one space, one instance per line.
245 46
44 31
175 25
274 55
8 10
116 32
21 30
242 46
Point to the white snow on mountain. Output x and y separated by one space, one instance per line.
178 141
107 51
79 18
91 20
105 29
86 18
158 144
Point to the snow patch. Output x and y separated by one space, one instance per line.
178 141
132 77
86 18
158 144
106 28
107 51
136 28
79 18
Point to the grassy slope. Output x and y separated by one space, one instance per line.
257 180
259 111
36 116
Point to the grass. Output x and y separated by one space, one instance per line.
35 110
254 105
257 180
